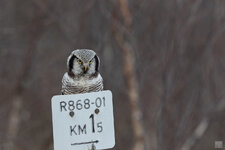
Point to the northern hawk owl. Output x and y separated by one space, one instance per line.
83 73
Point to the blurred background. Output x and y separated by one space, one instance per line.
170 53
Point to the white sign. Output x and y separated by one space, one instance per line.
81 120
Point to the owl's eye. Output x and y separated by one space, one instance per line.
90 62
79 61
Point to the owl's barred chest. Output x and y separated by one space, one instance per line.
81 84
84 83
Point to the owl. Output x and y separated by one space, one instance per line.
83 74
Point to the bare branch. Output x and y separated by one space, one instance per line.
202 127
197 134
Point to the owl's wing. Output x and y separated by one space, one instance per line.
97 84
66 84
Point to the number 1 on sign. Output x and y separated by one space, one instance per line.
93 122
99 124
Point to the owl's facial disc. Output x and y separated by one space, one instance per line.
83 65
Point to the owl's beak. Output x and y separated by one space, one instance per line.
85 68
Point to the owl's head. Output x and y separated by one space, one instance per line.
83 62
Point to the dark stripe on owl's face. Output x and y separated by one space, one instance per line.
71 63
97 65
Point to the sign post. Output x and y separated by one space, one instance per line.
81 120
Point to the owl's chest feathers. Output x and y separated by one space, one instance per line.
83 82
